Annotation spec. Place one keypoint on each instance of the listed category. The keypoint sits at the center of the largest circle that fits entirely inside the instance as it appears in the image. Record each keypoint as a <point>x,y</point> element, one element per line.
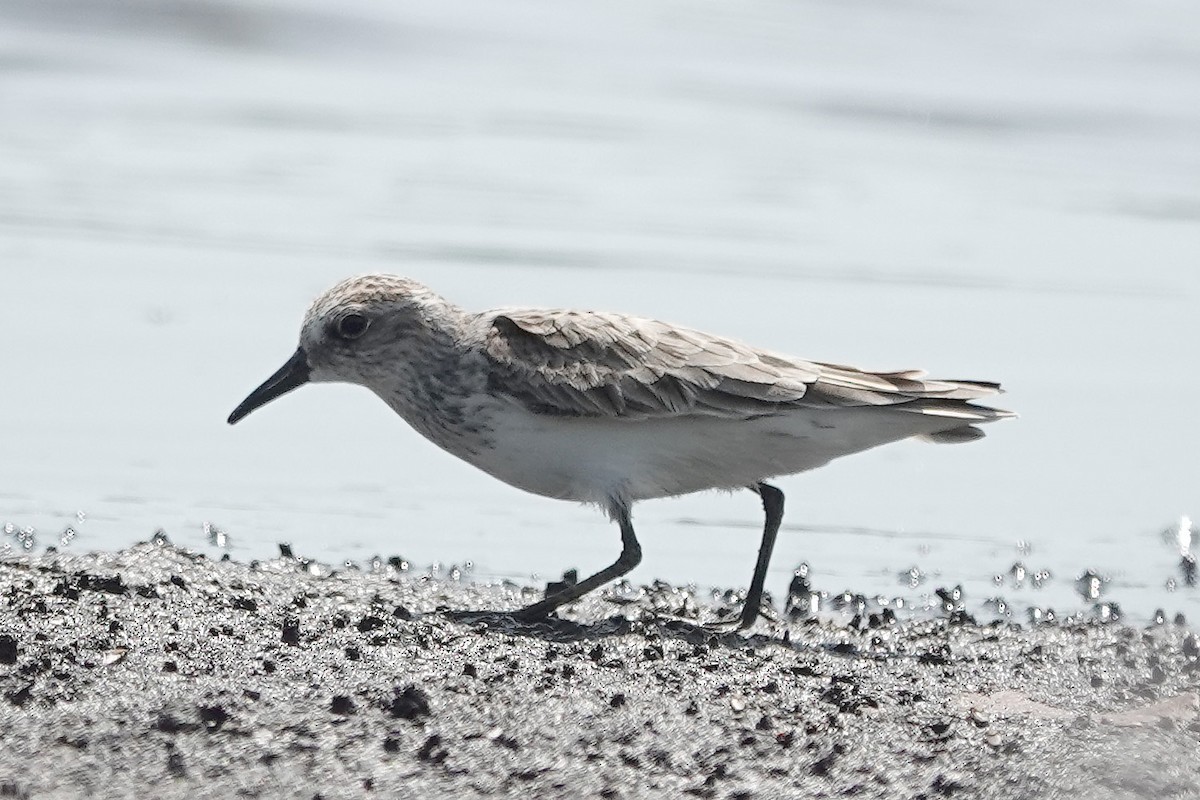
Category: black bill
<point>292,374</point>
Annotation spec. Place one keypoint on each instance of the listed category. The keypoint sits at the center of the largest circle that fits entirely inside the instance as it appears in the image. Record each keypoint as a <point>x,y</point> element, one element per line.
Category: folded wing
<point>591,364</point>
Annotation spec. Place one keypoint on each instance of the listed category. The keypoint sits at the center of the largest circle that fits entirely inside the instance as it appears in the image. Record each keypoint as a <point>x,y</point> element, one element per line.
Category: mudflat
<point>158,672</point>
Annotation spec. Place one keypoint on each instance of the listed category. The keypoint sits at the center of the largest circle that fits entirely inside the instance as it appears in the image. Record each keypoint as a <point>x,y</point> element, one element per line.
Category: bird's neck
<point>438,385</point>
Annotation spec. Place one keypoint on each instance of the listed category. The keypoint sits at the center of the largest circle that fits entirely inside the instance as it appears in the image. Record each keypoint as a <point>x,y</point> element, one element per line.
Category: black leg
<point>772,500</point>
<point>631,556</point>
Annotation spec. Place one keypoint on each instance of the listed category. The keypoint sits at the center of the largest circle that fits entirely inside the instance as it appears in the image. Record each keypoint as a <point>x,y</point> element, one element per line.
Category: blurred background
<point>1000,191</point>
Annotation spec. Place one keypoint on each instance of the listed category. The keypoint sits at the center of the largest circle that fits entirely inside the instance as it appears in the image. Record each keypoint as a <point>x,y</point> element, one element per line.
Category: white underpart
<point>602,460</point>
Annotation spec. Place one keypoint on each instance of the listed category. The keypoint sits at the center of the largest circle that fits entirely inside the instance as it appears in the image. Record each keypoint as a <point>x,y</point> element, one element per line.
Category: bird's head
<point>356,332</point>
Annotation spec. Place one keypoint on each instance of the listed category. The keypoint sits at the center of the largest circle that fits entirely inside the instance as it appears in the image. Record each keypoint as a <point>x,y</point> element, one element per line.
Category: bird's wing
<point>590,364</point>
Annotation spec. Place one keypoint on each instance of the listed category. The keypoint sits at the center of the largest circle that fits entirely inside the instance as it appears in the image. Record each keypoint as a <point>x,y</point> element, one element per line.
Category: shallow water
<point>960,189</point>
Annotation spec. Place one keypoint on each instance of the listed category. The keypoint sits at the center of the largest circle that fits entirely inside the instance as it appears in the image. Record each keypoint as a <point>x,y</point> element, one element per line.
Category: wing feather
<point>576,363</point>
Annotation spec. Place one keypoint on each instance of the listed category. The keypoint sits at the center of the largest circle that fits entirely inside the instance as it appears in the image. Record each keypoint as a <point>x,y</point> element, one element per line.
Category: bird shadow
<point>559,630</point>
<point>771,632</point>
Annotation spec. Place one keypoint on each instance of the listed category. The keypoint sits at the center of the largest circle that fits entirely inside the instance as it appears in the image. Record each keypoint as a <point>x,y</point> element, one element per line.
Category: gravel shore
<point>157,672</point>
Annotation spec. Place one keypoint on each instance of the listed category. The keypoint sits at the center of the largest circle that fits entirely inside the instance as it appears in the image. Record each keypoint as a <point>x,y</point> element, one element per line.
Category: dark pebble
<point>432,750</point>
<point>213,717</point>
<point>8,649</point>
<point>409,703</point>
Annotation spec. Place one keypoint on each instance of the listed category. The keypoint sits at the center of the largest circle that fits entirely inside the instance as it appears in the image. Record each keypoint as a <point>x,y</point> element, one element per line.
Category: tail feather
<point>956,409</point>
<point>964,433</point>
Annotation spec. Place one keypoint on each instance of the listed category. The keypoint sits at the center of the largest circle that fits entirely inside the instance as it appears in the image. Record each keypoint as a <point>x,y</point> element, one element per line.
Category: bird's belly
<point>601,459</point>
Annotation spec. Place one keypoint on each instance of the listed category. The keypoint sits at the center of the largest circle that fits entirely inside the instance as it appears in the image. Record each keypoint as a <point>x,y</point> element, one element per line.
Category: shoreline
<point>155,670</point>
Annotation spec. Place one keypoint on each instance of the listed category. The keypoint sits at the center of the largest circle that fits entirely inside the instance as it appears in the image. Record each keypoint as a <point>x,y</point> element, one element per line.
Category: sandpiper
<point>610,409</point>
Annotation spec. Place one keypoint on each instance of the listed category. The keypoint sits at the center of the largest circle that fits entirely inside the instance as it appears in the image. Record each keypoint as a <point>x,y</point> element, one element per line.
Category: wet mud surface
<point>155,672</point>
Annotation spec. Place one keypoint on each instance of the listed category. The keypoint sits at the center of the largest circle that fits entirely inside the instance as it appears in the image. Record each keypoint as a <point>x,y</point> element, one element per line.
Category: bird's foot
<point>502,620</point>
<point>529,615</point>
<point>471,616</point>
<point>739,622</point>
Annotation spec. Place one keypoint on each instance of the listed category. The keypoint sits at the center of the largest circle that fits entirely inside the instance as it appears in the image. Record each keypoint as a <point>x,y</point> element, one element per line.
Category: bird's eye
<point>351,326</point>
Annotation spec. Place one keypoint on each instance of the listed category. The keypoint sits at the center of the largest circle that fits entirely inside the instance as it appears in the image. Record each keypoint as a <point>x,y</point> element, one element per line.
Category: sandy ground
<point>155,672</point>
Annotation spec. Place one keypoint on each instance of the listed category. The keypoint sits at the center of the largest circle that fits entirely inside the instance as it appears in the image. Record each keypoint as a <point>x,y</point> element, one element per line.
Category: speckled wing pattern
<point>593,364</point>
